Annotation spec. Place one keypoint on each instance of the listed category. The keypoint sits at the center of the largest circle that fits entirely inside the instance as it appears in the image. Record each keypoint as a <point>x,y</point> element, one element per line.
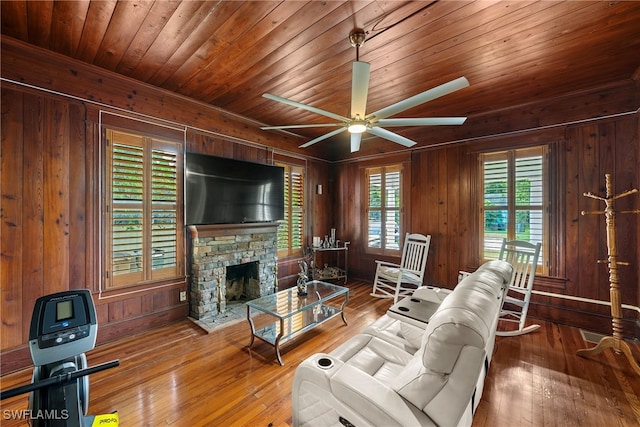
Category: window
<point>384,208</point>
<point>143,209</point>
<point>514,185</point>
<point>291,230</point>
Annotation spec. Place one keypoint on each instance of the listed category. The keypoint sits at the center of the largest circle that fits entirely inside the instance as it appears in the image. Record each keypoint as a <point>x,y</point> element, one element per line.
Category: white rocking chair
<point>523,256</point>
<point>400,280</point>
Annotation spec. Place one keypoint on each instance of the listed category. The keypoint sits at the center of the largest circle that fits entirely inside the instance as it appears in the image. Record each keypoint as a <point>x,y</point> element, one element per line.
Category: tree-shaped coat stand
<point>616,341</point>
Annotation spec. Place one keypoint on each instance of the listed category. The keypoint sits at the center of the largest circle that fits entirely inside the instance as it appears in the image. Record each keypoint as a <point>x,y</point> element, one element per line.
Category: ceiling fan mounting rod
<point>357,38</point>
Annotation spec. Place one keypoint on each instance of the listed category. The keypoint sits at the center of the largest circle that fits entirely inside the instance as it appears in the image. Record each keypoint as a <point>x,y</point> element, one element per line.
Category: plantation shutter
<point>163,211</point>
<point>297,208</point>
<point>127,213</point>
<point>285,226</point>
<point>143,225</point>
<point>392,211</point>
<point>529,197</point>
<point>514,206</point>
<point>374,215</point>
<point>291,230</point>
<point>384,207</point>
<point>496,202</point>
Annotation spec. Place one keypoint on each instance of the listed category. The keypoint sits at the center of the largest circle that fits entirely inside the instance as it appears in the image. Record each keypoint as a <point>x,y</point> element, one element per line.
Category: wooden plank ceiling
<point>228,53</point>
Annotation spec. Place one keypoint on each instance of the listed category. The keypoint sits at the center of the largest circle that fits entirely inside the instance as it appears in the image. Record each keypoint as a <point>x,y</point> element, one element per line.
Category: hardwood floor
<point>179,375</point>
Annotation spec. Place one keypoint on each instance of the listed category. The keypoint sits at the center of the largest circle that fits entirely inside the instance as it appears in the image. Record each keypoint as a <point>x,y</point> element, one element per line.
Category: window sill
<point>122,292</point>
<point>550,282</point>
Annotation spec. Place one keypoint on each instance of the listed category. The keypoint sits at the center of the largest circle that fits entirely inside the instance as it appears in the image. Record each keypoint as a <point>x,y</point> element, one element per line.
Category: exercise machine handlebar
<point>58,379</point>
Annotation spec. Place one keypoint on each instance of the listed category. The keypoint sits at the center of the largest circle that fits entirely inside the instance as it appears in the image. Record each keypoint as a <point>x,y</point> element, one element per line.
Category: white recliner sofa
<point>397,373</point>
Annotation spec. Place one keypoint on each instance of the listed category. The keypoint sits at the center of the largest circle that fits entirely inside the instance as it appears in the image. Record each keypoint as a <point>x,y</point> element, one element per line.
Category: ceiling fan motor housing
<point>357,37</point>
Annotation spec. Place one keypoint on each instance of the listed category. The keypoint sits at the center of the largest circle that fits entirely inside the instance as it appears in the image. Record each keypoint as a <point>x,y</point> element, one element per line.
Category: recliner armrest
<point>313,403</point>
<point>374,400</point>
<point>431,294</point>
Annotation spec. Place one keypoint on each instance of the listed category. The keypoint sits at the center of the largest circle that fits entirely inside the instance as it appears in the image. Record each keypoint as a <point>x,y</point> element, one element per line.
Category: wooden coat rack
<point>616,341</point>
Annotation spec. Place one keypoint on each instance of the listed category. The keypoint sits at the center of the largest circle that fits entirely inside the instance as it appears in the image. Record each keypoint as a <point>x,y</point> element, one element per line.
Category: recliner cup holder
<point>403,308</point>
<point>325,363</point>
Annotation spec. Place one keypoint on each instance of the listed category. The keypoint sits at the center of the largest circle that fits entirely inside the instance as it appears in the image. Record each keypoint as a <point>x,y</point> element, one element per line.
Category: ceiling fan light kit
<point>374,123</point>
<point>357,126</point>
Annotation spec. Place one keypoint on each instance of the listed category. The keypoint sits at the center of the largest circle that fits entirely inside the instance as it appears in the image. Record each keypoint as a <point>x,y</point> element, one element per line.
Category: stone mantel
<point>210,230</point>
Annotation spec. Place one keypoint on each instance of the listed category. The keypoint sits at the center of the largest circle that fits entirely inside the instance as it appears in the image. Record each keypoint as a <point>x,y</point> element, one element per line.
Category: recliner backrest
<point>441,377</point>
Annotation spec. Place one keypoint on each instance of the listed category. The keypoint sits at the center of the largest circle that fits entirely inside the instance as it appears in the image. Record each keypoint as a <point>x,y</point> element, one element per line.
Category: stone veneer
<point>213,248</point>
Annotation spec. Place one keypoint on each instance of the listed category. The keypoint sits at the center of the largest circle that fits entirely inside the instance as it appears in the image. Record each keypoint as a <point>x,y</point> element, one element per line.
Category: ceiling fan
<point>376,122</point>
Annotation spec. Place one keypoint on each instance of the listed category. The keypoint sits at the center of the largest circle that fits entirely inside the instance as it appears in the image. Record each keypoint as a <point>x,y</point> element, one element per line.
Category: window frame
<point>149,142</point>
<point>292,211</point>
<point>511,155</point>
<point>385,249</point>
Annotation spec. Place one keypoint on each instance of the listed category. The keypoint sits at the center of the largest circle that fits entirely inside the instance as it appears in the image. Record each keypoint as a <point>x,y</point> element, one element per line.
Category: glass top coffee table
<point>294,314</point>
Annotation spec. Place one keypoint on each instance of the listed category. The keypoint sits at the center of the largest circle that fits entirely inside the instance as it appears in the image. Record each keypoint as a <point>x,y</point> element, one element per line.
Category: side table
<point>331,272</point>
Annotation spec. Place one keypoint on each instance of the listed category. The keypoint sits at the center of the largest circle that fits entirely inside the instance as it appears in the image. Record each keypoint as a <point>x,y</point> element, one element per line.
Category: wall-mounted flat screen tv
<point>227,191</point>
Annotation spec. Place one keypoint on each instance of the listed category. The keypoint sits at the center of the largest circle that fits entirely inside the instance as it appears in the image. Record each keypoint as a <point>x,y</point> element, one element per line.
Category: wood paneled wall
<point>48,232</point>
<point>43,197</point>
<point>591,151</point>
<point>443,186</point>
<point>50,189</point>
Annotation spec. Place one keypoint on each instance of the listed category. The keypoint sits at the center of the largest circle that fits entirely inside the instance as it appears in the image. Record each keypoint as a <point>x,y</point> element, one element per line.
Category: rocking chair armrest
<point>387,264</point>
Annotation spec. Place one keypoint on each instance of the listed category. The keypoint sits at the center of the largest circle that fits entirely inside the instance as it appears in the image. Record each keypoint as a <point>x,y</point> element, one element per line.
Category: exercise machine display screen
<point>63,325</point>
<point>64,310</point>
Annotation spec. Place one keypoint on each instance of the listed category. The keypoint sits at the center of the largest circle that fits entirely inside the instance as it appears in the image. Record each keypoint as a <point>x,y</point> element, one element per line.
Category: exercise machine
<point>63,327</point>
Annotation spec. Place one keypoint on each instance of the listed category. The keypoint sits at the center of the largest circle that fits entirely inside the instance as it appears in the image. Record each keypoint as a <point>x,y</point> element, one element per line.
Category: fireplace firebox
<point>242,282</point>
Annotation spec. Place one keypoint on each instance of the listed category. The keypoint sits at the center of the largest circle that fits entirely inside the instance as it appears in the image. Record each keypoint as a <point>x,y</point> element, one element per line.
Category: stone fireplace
<point>230,262</point>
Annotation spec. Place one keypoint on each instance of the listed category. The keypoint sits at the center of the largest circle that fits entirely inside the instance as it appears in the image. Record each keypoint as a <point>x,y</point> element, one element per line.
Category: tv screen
<point>228,191</point>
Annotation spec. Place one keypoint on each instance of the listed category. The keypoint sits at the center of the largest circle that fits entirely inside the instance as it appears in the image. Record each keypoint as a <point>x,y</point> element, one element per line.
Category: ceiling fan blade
<point>323,137</point>
<point>304,106</point>
<point>355,142</point>
<point>421,98</point>
<point>359,88</point>
<point>391,136</point>
<point>314,125</point>
<point>426,121</point>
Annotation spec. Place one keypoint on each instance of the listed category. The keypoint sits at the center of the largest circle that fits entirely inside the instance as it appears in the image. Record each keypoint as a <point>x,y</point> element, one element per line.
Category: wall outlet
<point>183,296</point>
